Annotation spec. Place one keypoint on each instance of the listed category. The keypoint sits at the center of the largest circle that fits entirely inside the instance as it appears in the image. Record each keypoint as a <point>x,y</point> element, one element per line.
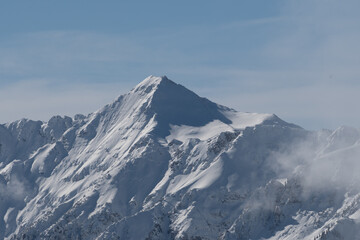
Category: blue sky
<point>298,59</point>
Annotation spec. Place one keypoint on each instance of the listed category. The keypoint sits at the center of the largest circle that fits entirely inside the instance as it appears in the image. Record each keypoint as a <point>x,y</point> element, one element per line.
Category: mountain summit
<point>174,104</point>
<point>163,106</point>
<point>160,162</point>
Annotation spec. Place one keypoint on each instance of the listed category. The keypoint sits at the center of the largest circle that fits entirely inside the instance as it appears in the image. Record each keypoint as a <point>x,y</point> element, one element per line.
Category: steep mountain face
<point>161,162</point>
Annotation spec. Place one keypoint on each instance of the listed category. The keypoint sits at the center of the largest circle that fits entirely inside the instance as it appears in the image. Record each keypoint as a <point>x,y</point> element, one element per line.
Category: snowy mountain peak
<point>167,103</point>
<point>171,106</point>
<point>151,83</point>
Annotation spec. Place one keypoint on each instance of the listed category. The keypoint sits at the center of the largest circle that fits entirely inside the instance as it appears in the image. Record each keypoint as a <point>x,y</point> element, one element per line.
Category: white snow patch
<point>197,179</point>
<point>283,181</point>
<point>209,130</point>
<point>239,121</point>
<point>356,216</point>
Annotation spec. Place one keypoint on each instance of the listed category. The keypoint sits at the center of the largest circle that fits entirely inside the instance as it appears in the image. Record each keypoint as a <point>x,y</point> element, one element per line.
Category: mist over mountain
<point>160,162</point>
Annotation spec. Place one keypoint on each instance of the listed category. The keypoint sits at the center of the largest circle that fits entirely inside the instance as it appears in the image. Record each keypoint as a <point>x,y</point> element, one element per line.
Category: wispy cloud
<point>322,162</point>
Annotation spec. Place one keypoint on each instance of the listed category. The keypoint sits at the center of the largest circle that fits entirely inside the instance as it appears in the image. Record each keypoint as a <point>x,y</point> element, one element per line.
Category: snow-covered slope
<point>161,162</point>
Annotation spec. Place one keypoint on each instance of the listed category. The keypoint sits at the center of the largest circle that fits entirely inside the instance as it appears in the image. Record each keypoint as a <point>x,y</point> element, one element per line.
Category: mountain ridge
<point>160,162</point>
